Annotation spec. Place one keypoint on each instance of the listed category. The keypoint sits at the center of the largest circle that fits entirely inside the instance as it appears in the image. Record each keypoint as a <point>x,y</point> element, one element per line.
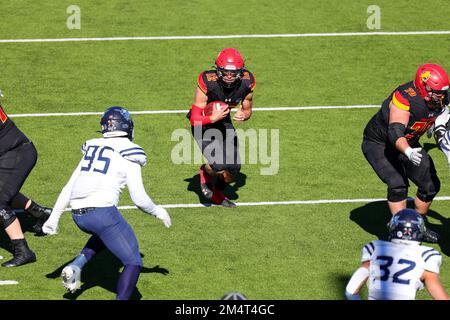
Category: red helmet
<point>432,83</point>
<point>229,66</point>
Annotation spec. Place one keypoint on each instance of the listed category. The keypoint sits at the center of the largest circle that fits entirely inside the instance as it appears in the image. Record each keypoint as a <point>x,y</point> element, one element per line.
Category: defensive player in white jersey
<point>442,133</point>
<point>93,191</point>
<point>398,268</point>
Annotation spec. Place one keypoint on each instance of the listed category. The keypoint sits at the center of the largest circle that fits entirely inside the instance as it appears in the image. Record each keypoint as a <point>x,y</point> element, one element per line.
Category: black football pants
<point>15,166</point>
<point>219,145</point>
<point>394,169</point>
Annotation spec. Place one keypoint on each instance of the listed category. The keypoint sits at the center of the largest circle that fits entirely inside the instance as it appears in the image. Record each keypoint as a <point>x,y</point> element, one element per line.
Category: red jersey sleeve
<point>201,83</point>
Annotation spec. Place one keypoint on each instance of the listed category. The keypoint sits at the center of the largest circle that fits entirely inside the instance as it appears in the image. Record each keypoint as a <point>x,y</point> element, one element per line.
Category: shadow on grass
<point>429,146</point>
<point>230,191</point>
<point>373,218</point>
<point>103,271</point>
<point>341,281</point>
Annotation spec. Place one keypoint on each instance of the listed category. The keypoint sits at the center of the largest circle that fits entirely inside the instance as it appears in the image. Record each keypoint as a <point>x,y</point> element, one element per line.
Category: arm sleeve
<point>197,117</point>
<point>64,197</point>
<point>136,188</point>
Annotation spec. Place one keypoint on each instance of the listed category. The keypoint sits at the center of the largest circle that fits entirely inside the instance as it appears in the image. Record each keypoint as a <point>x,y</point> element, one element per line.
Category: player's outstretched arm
<point>50,227</point>
<point>434,286</point>
<point>357,281</point>
<point>140,197</point>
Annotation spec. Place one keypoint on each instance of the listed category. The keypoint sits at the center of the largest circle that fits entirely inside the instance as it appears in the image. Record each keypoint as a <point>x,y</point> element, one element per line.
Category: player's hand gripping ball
<point>214,105</point>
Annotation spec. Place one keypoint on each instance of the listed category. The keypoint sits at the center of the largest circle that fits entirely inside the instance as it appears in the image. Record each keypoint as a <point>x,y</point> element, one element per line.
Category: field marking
<point>76,114</point>
<point>274,203</point>
<point>237,36</point>
<point>8,282</point>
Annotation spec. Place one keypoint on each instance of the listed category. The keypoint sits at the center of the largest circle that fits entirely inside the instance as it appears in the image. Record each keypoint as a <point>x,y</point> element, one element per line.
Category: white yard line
<point>8,282</point>
<point>237,36</point>
<point>76,114</point>
<point>278,203</point>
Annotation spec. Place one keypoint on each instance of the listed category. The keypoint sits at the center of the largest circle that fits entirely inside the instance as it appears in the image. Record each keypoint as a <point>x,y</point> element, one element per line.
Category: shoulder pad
<point>432,259</point>
<point>211,76</point>
<point>134,154</point>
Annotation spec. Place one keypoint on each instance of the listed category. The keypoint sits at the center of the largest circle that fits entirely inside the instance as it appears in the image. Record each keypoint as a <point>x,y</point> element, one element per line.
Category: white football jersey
<point>444,144</point>
<point>103,171</point>
<point>396,268</point>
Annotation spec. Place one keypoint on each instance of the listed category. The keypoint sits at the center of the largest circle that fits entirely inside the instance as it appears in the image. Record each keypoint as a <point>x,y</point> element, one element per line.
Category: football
<point>214,105</point>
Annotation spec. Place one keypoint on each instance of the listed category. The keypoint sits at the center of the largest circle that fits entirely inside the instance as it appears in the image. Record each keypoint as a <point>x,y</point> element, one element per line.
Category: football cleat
<point>227,203</point>
<point>41,214</point>
<point>430,236</point>
<point>205,183</point>
<point>71,275</point>
<point>220,199</point>
<point>22,254</point>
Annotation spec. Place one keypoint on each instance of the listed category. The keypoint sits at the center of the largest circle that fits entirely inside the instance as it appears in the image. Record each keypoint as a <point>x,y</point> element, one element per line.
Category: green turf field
<point>303,251</point>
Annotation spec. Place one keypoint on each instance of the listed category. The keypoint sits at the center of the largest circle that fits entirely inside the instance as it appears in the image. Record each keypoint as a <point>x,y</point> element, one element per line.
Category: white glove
<point>51,225</point>
<point>414,155</point>
<point>163,215</point>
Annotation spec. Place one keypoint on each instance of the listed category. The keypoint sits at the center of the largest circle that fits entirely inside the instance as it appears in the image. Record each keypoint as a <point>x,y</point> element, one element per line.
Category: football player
<point>108,165</point>
<point>231,83</point>
<point>391,140</point>
<point>398,268</point>
<point>442,133</point>
<point>18,156</point>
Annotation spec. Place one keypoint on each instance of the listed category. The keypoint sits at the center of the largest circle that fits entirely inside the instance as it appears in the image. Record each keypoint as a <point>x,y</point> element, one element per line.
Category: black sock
<point>19,201</point>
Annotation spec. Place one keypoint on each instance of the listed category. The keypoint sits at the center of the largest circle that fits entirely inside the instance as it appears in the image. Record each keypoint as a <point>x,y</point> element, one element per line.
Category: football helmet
<point>230,67</point>
<point>433,84</point>
<point>407,224</point>
<point>234,296</point>
<point>117,122</point>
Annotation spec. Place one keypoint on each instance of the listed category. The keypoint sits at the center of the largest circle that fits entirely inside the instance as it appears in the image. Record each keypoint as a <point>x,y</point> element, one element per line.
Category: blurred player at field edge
<point>398,268</point>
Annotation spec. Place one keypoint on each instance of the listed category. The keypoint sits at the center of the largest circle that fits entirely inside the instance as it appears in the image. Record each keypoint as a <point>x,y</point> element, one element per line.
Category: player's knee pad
<point>7,216</point>
<point>396,194</point>
<point>428,191</point>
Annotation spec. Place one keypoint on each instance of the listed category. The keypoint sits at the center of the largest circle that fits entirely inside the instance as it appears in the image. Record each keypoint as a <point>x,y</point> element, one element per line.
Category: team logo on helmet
<point>424,76</point>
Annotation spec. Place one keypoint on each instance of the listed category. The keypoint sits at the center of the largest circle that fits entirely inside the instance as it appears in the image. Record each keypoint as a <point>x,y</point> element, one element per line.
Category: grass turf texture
<point>272,252</point>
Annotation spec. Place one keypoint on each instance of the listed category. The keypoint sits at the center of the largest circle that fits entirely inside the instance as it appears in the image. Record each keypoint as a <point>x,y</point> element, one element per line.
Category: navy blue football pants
<point>108,224</point>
